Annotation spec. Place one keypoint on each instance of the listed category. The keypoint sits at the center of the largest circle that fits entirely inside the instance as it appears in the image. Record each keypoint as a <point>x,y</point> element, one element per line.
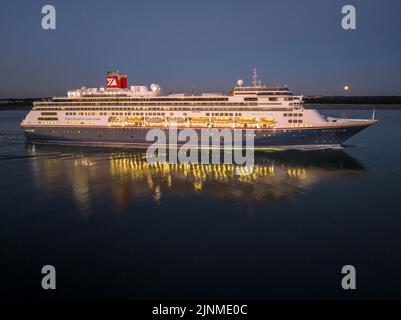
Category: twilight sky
<point>207,44</point>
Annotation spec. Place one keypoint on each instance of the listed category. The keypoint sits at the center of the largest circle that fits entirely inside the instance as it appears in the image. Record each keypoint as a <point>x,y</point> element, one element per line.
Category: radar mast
<point>254,77</point>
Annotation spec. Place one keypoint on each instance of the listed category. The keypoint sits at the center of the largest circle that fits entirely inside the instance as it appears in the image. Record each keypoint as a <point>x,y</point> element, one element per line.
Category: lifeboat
<point>199,119</point>
<point>135,119</point>
<point>246,120</point>
<point>116,119</point>
<point>268,120</point>
<point>177,119</point>
<point>155,120</point>
<point>223,119</point>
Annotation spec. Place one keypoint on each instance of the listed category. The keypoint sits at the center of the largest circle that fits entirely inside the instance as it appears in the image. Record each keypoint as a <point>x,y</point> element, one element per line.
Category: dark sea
<point>115,226</point>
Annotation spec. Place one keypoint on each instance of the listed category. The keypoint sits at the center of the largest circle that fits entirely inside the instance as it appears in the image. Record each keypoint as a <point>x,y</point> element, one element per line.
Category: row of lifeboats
<point>195,120</point>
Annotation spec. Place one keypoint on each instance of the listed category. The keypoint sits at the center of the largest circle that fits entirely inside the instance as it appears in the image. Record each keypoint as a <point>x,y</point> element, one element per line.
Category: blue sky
<point>205,44</point>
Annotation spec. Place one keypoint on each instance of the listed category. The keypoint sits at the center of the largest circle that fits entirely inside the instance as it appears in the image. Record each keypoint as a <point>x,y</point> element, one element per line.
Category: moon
<point>346,88</point>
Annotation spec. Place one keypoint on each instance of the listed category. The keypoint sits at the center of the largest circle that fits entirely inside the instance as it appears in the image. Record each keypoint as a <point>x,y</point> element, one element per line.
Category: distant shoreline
<point>352,106</point>
<point>12,107</point>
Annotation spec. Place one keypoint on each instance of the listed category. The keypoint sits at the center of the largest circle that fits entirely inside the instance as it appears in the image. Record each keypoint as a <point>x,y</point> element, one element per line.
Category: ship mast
<point>254,77</point>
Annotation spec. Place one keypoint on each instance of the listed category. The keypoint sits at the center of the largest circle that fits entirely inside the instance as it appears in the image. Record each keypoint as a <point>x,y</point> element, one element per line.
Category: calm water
<point>115,226</point>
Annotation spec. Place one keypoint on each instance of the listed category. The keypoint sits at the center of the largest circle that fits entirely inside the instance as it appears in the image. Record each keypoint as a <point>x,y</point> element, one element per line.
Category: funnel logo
<point>111,82</point>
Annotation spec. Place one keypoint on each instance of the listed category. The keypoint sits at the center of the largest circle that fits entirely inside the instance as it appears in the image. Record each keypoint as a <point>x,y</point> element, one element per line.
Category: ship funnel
<point>115,80</point>
<point>123,80</point>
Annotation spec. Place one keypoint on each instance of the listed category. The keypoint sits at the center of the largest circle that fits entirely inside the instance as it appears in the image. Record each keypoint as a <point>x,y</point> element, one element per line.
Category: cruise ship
<point>121,115</point>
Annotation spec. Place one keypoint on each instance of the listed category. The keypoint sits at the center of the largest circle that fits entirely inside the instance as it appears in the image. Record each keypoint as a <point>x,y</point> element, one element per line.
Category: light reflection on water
<point>126,176</point>
<point>116,226</point>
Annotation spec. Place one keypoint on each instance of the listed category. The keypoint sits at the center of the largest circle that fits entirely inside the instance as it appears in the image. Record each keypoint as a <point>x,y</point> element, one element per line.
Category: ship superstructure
<point>120,115</point>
